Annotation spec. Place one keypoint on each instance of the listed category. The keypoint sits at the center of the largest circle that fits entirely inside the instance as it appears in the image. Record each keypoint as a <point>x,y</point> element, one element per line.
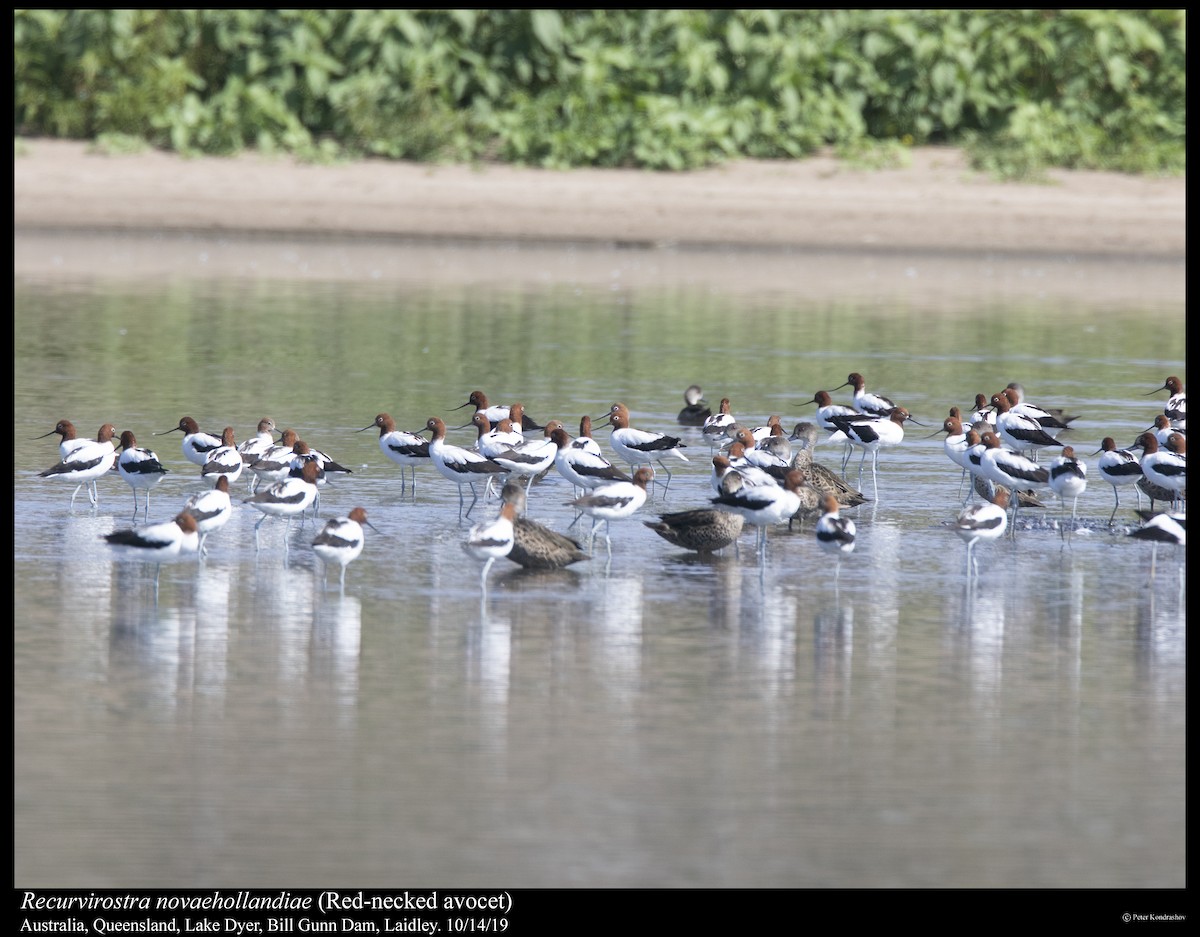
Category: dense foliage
<point>664,89</point>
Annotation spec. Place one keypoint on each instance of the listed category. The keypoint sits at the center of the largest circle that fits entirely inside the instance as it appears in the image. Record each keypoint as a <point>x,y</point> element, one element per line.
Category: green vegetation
<point>661,89</point>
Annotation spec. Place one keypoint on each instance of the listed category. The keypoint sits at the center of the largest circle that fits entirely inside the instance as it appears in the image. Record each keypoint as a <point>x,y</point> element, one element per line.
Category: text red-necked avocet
<point>1118,467</point>
<point>536,546</point>
<point>69,441</point>
<point>461,466</point>
<point>196,445</point>
<point>407,450</point>
<point>264,438</point>
<point>341,541</point>
<point>763,505</point>
<point>490,540</point>
<point>835,534</point>
<point>1019,432</point>
<point>211,509</point>
<point>986,521</point>
<point>225,461</point>
<point>287,499</point>
<point>139,467</point>
<point>1068,479</point>
<point>695,409</point>
<point>873,434</point>
<point>641,447</point>
<point>1176,406</point>
<point>1165,468</point>
<point>873,405</point>
<point>613,501</point>
<point>1011,469</point>
<point>86,464</point>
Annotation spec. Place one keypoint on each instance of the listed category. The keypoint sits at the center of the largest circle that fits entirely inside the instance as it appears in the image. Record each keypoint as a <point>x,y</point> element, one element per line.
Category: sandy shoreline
<point>935,204</point>
<point>760,224</point>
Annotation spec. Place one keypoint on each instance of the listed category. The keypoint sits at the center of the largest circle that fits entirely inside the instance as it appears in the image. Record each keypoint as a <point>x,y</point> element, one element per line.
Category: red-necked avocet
<point>986,521</point>
<point>407,450</point>
<point>763,505</point>
<point>225,461</point>
<point>1011,469</point>
<point>1118,467</point>
<point>264,438</point>
<point>139,467</point>
<point>1068,479</point>
<point>873,405</point>
<point>1176,406</point>
<point>459,465</point>
<point>490,540</point>
<point>86,463</point>
<point>1165,468</point>
<point>287,499</point>
<point>641,447</point>
<point>69,441</point>
<point>275,464</point>
<point>579,465</point>
<point>1018,431</point>
<point>159,542</point>
<point>835,534</point>
<point>211,509</point>
<point>341,541</point>
<point>873,434</point>
<point>613,501</point>
<point>196,445</point>
<point>497,412</point>
<point>716,428</point>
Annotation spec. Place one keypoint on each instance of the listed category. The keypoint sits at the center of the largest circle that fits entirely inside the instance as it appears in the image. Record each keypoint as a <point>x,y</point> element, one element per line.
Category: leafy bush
<point>663,89</point>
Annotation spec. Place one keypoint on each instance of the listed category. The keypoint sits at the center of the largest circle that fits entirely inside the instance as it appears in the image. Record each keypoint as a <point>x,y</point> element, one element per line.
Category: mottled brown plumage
<point>703,530</point>
<point>821,477</point>
<point>536,546</point>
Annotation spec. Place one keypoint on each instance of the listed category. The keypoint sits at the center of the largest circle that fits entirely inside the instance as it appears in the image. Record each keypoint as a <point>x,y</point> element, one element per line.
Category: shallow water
<point>652,719</point>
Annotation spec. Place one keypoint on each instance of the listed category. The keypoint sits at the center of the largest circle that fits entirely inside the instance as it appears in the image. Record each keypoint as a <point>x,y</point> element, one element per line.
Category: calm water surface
<point>649,720</point>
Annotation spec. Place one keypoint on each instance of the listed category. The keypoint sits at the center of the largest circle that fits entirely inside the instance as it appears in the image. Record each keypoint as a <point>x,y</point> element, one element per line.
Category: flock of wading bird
<point>762,475</point>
